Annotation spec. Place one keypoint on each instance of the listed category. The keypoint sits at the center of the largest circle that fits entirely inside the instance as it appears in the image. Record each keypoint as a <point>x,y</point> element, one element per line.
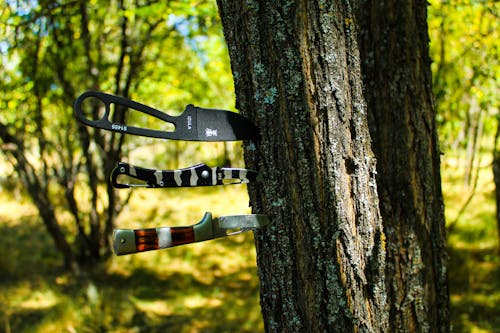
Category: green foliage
<point>164,54</point>
<point>465,49</point>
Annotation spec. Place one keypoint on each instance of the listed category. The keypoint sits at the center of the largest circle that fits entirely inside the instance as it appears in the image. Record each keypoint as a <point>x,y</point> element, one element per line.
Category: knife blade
<point>128,241</point>
<point>198,175</point>
<point>194,124</point>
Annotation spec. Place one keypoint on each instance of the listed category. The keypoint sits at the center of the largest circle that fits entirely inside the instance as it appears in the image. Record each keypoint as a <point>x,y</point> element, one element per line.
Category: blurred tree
<point>466,69</point>
<point>54,50</point>
<point>496,175</point>
<point>466,66</point>
<point>322,263</point>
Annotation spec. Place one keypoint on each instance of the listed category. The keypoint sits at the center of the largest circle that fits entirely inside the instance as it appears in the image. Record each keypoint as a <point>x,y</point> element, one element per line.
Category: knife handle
<point>128,241</point>
<point>105,123</point>
<point>197,175</point>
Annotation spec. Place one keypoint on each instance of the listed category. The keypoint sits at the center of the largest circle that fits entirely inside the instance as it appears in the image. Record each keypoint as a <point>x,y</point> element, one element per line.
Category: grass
<point>210,286</point>
<point>203,287</point>
<point>474,270</point>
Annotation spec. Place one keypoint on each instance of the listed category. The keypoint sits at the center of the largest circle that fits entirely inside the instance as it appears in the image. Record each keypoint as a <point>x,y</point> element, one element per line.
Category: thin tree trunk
<point>297,76</point>
<point>496,176</point>
<point>473,140</point>
<point>40,196</point>
<point>396,70</point>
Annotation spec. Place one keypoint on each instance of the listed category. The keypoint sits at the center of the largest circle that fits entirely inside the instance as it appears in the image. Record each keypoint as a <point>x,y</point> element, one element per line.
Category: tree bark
<point>297,76</point>
<point>398,89</point>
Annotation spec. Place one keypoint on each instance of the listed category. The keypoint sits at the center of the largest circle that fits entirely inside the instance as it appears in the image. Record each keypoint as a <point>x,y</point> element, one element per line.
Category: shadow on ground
<point>474,276</point>
<point>37,296</point>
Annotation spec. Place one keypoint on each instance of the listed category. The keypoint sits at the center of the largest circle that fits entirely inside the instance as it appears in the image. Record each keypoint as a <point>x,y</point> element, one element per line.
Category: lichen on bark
<point>321,263</point>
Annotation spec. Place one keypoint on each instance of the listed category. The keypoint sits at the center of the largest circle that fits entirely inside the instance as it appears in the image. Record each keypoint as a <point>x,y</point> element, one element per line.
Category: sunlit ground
<point>210,286</point>
<point>474,272</point>
<point>203,287</point>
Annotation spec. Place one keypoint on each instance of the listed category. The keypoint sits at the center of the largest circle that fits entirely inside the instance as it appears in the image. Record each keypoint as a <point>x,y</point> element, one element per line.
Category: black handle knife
<point>197,175</point>
<point>194,124</point>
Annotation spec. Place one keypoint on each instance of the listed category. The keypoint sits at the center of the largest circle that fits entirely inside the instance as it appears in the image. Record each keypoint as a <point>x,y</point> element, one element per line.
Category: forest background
<point>167,55</point>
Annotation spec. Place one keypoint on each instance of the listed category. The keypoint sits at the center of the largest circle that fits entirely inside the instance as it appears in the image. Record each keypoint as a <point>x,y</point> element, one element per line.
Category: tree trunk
<point>496,176</point>
<point>38,191</point>
<point>396,70</point>
<point>297,76</point>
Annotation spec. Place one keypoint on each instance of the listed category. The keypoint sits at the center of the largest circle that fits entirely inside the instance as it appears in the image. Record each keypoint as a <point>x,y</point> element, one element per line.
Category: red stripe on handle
<point>182,235</point>
<point>146,240</point>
